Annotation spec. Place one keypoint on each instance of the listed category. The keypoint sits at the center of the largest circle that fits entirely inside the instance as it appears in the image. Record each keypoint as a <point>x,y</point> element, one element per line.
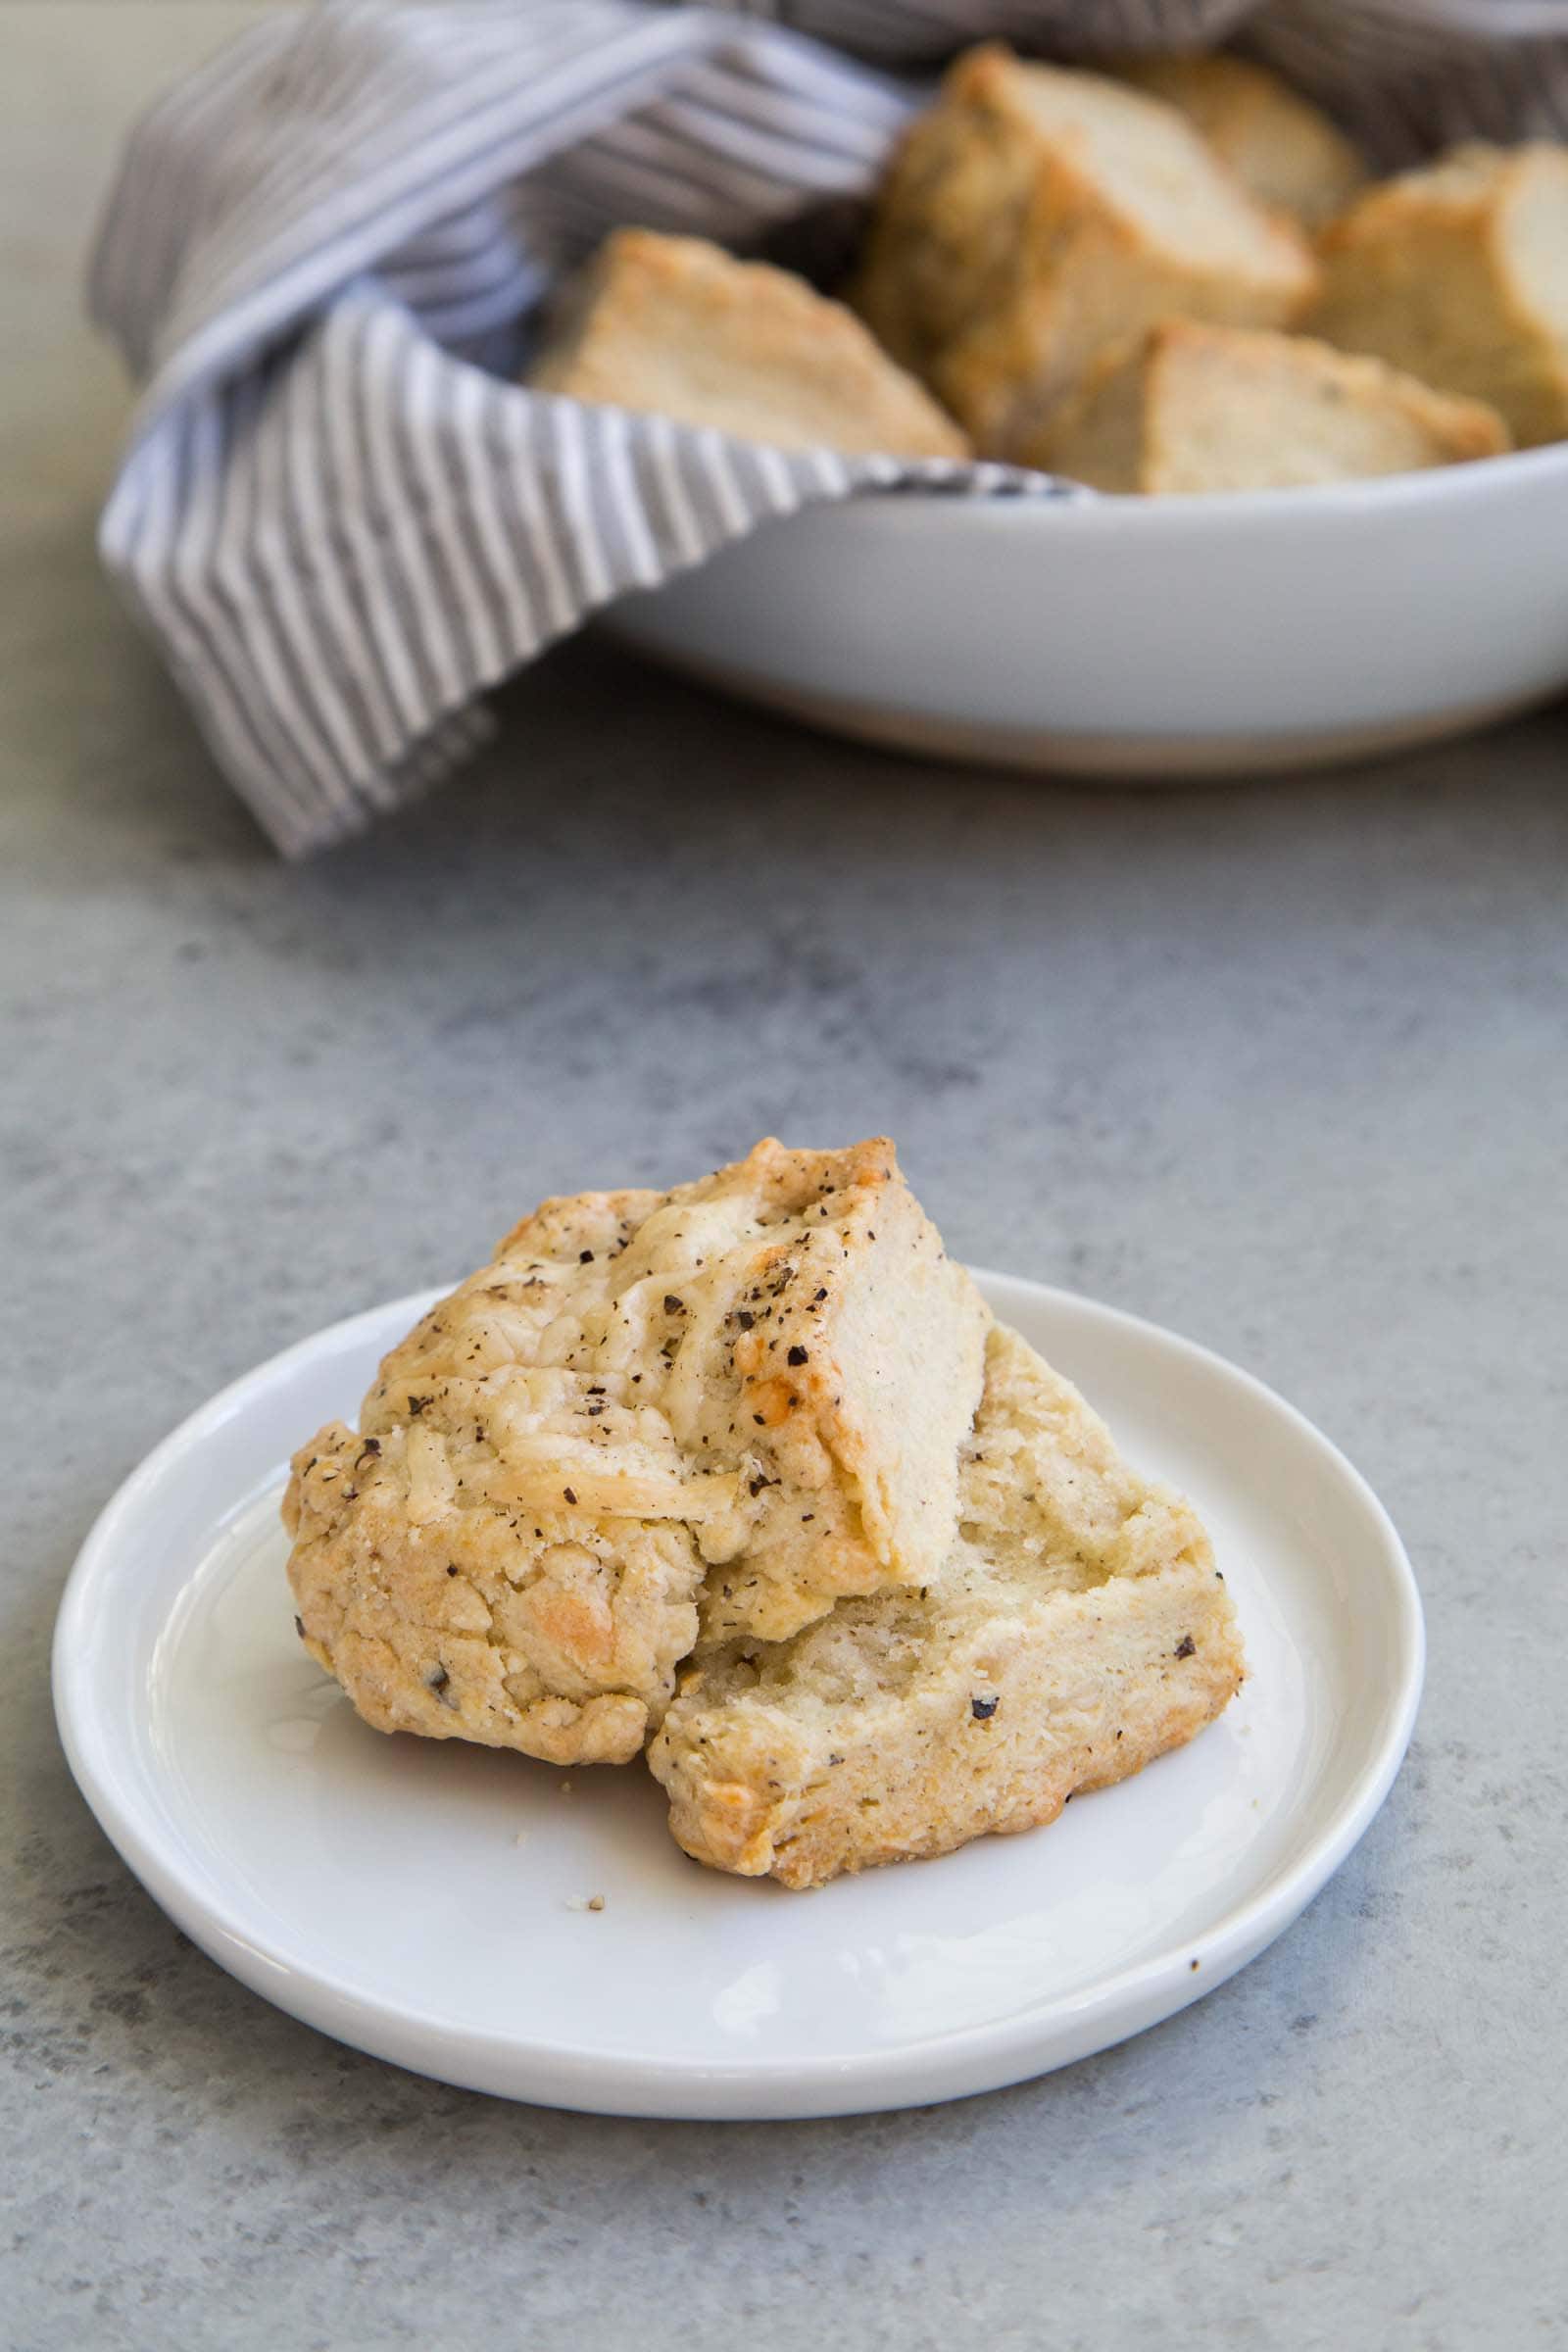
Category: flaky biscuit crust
<point>679,327</point>
<point>1078,1630</point>
<point>1029,221</point>
<point>1458,272</point>
<point>761,1380</point>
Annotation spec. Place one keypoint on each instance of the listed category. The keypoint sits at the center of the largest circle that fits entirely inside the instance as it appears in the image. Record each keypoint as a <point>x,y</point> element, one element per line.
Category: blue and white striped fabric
<point>342,516</point>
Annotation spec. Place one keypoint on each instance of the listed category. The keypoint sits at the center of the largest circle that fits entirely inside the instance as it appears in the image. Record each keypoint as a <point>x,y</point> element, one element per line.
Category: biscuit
<point>676,327</point>
<point>1035,219</point>
<point>762,1378</point>
<point>1459,273</point>
<point>1218,407</point>
<point>1077,1629</point>
<point>1284,151</point>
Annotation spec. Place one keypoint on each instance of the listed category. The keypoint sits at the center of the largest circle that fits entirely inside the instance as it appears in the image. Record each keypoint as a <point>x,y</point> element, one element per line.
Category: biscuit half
<point>1198,408</point>
<point>761,1380</point>
<point>1077,1629</point>
<point>676,326</point>
<point>1036,217</point>
<point>1284,150</point>
<point>1459,273</point>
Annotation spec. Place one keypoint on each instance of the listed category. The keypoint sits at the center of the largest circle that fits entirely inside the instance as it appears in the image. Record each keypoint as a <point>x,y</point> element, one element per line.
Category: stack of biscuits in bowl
<point>1171,279</point>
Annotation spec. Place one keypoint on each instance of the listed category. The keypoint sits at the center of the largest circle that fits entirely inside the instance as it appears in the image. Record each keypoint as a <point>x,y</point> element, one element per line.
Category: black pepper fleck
<point>585,1257</point>
<point>795,1356</point>
<point>1186,1647</point>
<point>571,1496</point>
<point>982,1709</point>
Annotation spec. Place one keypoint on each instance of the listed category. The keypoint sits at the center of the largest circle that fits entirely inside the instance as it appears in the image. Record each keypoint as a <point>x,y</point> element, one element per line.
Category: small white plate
<point>1156,638</point>
<point>424,1902</point>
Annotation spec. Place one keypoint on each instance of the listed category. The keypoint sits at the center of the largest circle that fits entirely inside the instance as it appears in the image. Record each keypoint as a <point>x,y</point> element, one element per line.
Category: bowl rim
<point>1312,505</point>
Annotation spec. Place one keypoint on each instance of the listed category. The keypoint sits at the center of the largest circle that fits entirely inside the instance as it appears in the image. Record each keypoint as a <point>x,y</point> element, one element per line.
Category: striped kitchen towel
<point>339,515</point>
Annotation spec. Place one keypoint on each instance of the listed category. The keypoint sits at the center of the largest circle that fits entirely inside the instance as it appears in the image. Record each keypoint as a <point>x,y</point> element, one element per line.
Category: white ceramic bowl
<point>1141,637</point>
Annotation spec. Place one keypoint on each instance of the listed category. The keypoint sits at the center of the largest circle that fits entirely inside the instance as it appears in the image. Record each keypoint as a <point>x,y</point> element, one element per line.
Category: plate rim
<point>934,2065</point>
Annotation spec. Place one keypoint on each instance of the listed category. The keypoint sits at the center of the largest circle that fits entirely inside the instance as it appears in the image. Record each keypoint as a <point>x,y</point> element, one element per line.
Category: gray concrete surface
<point>1282,1067</point>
